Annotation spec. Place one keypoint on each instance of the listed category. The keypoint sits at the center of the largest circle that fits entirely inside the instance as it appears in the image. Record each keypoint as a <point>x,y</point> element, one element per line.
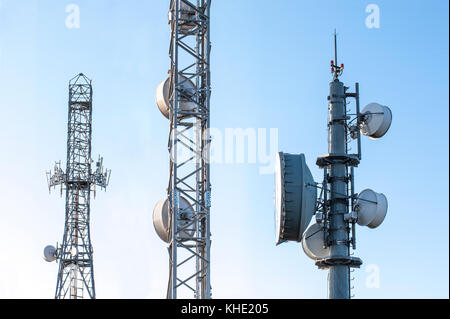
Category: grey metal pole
<point>338,282</point>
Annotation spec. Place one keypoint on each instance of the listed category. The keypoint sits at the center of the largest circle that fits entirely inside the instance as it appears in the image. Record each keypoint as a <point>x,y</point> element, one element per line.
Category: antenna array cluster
<point>75,254</point>
<point>337,208</point>
<point>182,220</point>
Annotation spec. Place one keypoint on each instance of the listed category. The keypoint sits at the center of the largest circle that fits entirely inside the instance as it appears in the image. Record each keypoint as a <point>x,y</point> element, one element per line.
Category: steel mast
<point>189,144</point>
<point>338,208</point>
<point>338,167</point>
<point>75,255</point>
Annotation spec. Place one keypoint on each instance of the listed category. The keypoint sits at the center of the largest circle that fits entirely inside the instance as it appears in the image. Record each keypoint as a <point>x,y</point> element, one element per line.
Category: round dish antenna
<point>371,208</point>
<point>163,96</point>
<point>376,120</point>
<point>161,219</point>
<point>295,198</point>
<point>313,242</point>
<point>50,253</point>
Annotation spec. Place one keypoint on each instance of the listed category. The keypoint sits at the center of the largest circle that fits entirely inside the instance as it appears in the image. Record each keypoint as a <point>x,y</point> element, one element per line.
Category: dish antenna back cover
<point>313,242</point>
<point>163,96</point>
<point>50,253</point>
<point>377,120</point>
<point>161,219</point>
<point>295,200</point>
<point>371,208</point>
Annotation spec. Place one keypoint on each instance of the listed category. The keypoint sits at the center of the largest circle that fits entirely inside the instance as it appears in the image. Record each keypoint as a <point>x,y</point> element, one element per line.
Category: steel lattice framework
<point>189,144</point>
<point>76,272</point>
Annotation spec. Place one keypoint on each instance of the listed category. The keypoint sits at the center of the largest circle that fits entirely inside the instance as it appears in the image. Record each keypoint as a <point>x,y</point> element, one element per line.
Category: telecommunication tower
<point>75,255</point>
<point>183,219</point>
<point>338,208</point>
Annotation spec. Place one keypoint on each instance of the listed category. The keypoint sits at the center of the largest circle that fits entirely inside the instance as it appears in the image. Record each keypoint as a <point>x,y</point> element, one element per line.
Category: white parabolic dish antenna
<point>161,219</point>
<point>313,242</point>
<point>50,253</point>
<point>163,96</point>
<point>371,208</point>
<point>295,200</point>
<point>377,120</point>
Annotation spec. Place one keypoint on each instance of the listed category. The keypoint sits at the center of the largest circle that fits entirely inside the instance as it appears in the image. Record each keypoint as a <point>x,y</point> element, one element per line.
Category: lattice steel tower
<point>75,255</point>
<point>184,98</point>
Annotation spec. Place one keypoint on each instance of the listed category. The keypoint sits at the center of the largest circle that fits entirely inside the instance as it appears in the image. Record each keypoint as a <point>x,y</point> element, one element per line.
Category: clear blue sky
<point>270,68</point>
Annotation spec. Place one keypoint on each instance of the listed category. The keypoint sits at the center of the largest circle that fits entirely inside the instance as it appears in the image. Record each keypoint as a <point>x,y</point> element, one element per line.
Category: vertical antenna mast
<point>184,98</point>
<point>190,47</point>
<point>337,179</point>
<point>335,47</point>
<point>335,68</point>
<point>76,272</point>
<point>345,208</point>
<point>338,208</point>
